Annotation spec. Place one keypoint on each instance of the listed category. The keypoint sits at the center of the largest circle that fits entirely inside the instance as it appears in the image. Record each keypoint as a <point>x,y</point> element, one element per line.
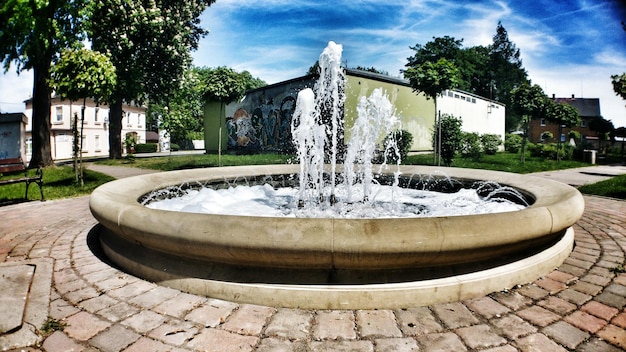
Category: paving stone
<point>513,300</point>
<point>95,304</point>
<point>417,321</point>
<point>145,344</point>
<point>550,285</point>
<point>620,279</point>
<point>619,290</point>
<point>174,332</point>
<point>131,290</point>
<point>212,313</point>
<point>538,316</point>
<point>341,346</point>
<point>538,343</point>
<point>444,342</point>
<point>578,298</point>
<point>292,324</point>
<point>513,326</point>
<point>600,310</point>
<point>454,315</point>
<point>587,288</point>
<point>118,312</point>
<point>144,321</point>
<point>586,321</point>
<point>566,334</point>
<point>249,319</point>
<point>487,307</point>
<point>61,309</point>
<point>557,305</point>
<point>82,294</point>
<point>620,319</point>
<point>377,323</point>
<point>179,305</point>
<point>114,339</point>
<point>60,342</point>
<point>271,344</point>
<point>82,326</point>
<point>597,345</point>
<point>215,340</point>
<point>573,270</point>
<point>154,297</point>
<point>405,344</point>
<point>334,324</point>
<point>505,348</point>
<point>533,291</point>
<point>596,279</point>
<point>611,299</point>
<point>614,335</point>
<point>480,336</point>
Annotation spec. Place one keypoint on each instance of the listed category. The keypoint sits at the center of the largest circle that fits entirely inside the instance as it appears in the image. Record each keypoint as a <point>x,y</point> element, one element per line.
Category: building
<point>588,110</point>
<point>262,120</point>
<point>12,135</point>
<point>95,136</point>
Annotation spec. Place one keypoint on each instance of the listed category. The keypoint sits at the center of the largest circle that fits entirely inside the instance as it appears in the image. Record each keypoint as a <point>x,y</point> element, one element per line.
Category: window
<point>85,146</point>
<point>128,118</point>
<point>29,146</point>
<point>473,100</point>
<point>59,114</point>
<point>95,115</point>
<point>583,123</point>
<point>96,143</point>
<point>139,124</point>
<point>543,122</point>
<point>450,94</point>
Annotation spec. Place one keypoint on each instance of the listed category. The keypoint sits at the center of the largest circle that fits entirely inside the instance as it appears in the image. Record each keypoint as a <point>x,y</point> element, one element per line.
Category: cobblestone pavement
<point>579,306</point>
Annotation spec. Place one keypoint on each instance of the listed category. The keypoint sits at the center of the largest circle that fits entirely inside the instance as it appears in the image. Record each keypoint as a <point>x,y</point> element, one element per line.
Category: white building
<point>479,115</point>
<point>95,129</point>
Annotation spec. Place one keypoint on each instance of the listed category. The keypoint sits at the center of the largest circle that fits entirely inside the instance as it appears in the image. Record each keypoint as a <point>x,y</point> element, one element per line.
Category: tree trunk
<point>115,129</point>
<point>42,155</point>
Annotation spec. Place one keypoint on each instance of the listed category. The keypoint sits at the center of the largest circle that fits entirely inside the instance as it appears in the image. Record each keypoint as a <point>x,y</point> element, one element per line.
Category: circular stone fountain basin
<point>277,258</point>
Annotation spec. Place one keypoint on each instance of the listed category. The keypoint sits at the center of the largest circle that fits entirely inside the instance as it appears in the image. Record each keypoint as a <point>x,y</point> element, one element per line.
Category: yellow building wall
<point>415,111</point>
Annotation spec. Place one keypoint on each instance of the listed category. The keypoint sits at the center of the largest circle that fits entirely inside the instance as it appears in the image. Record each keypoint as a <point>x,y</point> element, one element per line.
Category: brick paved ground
<point>579,306</point>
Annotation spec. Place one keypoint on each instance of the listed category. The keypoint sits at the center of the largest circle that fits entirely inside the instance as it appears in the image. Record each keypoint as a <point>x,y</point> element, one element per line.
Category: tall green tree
<point>32,35</point>
<point>619,84</point>
<point>78,75</point>
<point>150,43</point>
<point>563,115</point>
<point>506,73</point>
<point>529,102</point>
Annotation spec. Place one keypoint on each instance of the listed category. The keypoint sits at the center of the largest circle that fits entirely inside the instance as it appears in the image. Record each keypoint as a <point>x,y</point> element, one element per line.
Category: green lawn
<point>180,162</point>
<point>614,187</point>
<point>59,182</point>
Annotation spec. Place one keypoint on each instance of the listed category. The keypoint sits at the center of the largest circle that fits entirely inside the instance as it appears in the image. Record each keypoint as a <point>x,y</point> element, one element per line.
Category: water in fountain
<point>317,127</point>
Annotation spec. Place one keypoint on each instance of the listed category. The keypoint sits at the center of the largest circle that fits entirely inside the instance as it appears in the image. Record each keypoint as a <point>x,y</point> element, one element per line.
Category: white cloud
<point>14,90</point>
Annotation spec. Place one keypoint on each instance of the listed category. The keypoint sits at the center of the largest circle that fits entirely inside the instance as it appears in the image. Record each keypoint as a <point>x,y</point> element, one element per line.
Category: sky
<point>567,47</point>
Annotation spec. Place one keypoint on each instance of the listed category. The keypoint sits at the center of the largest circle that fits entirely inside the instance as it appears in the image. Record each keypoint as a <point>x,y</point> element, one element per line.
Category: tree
<point>448,136</point>
<point>619,84</point>
<point>604,128</point>
<point>33,34</point>
<point>506,72</point>
<point>564,116</point>
<point>432,79</point>
<point>80,74</point>
<point>150,43</point>
<point>530,102</point>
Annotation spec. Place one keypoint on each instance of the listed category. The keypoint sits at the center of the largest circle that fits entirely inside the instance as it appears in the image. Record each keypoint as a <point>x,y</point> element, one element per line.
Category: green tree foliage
<point>529,102</point>
<point>82,73</point>
<point>604,128</point>
<point>150,43</point>
<point>448,130</point>
<point>491,143</point>
<point>32,35</point>
<point>373,70</point>
<point>221,84</point>
<point>471,146</point>
<point>432,78</point>
<point>619,84</point>
<point>489,71</point>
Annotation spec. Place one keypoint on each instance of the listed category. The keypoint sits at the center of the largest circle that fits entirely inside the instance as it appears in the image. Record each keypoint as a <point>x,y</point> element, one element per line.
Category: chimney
<point>553,96</point>
<point>572,96</point>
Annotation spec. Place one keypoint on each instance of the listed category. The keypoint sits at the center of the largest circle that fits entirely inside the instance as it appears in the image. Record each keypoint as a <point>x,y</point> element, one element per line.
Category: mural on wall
<point>268,127</point>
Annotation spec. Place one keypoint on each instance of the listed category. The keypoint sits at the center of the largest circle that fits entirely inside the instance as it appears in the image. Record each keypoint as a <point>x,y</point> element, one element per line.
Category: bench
<point>15,165</point>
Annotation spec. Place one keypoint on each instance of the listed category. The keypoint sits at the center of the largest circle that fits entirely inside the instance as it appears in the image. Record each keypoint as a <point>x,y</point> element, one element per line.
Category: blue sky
<point>567,47</point>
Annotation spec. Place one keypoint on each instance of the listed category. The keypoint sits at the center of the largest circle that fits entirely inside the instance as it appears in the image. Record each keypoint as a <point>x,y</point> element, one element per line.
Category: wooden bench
<point>15,165</point>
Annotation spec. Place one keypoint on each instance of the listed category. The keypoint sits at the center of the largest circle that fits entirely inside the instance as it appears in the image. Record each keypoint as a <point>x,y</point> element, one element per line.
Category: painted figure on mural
<point>287,108</point>
<point>241,132</point>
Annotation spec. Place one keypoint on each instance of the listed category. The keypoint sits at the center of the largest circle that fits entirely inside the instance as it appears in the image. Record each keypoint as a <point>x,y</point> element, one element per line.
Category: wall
<point>12,135</point>
<point>95,128</point>
<point>478,114</point>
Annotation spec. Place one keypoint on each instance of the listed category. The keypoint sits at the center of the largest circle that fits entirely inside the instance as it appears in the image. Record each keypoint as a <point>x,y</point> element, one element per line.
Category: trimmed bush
<point>403,141</point>
<point>146,148</point>
<point>491,143</point>
<point>471,146</point>
<point>513,143</point>
<point>174,147</point>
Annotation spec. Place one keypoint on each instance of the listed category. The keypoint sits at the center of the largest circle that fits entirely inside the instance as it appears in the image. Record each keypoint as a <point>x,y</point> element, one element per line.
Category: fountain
<point>337,261</point>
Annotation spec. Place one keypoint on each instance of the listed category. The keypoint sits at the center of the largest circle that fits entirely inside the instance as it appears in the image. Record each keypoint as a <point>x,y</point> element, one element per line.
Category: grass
<point>614,187</point>
<point>59,182</point>
<point>501,162</point>
<point>169,163</point>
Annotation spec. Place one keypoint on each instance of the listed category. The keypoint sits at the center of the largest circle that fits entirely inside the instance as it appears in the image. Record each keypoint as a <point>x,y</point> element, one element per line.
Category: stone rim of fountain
<point>157,245</point>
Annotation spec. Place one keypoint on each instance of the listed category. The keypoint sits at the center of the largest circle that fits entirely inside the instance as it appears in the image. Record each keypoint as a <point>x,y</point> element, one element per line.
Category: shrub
<point>146,148</point>
<point>513,143</point>
<point>471,146</point>
<point>490,143</point>
<point>174,147</point>
<point>403,141</point>
<point>535,150</point>
<point>546,136</point>
<point>451,135</point>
